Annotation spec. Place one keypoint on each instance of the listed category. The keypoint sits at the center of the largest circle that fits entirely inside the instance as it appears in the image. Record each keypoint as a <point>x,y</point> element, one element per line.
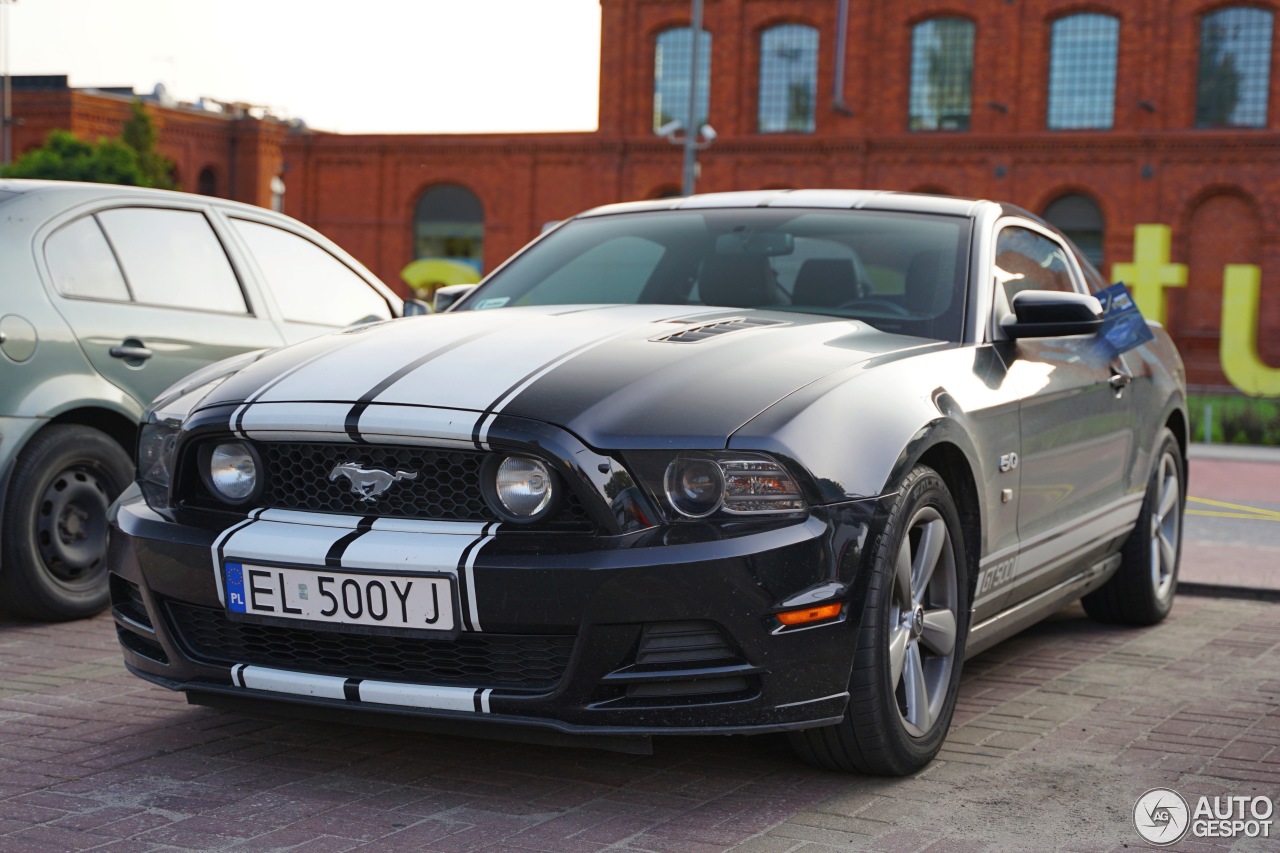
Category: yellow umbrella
<point>430,273</point>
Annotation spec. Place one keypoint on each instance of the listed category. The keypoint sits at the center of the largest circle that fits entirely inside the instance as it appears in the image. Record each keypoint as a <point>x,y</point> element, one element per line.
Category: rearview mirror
<point>446,296</point>
<point>767,243</point>
<point>1052,314</point>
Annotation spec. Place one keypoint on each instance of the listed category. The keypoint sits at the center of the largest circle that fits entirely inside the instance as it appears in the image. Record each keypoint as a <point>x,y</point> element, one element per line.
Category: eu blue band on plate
<point>234,573</point>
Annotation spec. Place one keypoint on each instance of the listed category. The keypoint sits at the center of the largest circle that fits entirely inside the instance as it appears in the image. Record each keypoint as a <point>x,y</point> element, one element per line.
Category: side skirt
<point>1023,615</point>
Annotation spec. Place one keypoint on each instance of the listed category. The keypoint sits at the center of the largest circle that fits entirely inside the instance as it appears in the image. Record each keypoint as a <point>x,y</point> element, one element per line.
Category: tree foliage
<point>131,159</point>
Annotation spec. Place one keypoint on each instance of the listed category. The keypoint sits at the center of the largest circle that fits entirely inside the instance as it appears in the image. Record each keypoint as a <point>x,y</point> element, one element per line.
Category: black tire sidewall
<point>30,588</point>
<point>1139,551</point>
<point>923,487</point>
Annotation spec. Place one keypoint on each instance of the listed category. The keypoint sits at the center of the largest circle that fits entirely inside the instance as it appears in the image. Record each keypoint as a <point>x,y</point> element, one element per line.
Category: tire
<point>913,622</point>
<point>53,560</point>
<point>1142,589</point>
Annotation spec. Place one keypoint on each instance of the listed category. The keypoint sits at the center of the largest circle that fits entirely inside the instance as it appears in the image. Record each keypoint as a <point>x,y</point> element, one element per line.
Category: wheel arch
<point>954,468</point>
<point>122,430</point>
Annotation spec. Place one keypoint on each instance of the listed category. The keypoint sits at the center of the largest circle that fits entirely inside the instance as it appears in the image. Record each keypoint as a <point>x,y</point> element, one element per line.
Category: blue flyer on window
<point>1123,326</point>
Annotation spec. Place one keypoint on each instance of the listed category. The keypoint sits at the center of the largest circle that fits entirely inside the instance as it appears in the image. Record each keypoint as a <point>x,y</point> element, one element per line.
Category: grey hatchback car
<point>109,295</point>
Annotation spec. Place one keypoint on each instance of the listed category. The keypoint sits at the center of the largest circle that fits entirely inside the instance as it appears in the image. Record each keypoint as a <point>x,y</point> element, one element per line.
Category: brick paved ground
<point>1058,732</point>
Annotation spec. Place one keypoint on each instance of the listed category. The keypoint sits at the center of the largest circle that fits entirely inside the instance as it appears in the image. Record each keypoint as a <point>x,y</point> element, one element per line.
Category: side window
<point>174,259</point>
<point>309,284</point>
<point>1027,260</point>
<point>82,264</point>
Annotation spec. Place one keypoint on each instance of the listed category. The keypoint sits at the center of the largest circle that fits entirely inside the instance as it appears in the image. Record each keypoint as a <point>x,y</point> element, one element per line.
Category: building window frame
<point>940,90</point>
<point>1084,58</point>
<point>672,55</point>
<point>786,99</point>
<point>1249,32</point>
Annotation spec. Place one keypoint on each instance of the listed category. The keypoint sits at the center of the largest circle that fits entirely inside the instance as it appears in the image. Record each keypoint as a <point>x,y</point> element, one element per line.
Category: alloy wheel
<point>1166,527</point>
<point>923,618</point>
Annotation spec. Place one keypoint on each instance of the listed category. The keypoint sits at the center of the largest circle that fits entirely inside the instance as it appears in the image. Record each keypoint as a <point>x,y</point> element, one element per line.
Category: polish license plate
<point>341,598</point>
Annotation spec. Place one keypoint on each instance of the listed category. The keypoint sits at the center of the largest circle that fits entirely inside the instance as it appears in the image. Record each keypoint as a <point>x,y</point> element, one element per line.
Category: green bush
<point>1235,419</point>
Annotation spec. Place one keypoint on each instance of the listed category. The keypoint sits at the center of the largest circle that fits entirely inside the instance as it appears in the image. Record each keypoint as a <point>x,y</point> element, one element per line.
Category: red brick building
<point>1100,115</point>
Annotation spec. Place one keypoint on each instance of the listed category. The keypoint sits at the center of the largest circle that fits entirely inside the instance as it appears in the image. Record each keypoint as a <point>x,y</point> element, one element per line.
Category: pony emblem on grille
<point>368,483</point>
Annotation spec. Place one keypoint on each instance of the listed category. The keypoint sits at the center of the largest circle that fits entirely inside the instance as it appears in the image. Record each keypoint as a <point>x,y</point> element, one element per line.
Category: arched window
<point>941,74</point>
<point>449,223</point>
<point>1079,217</point>
<point>1235,68</point>
<point>672,62</point>
<point>1082,71</point>
<point>788,79</point>
<point>207,181</point>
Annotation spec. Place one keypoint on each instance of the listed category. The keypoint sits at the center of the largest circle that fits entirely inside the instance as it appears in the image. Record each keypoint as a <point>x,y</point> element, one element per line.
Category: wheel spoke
<point>932,538</point>
<point>917,693</point>
<point>1168,496</point>
<point>939,631</point>
<point>898,654</point>
<point>902,576</point>
<point>1167,551</point>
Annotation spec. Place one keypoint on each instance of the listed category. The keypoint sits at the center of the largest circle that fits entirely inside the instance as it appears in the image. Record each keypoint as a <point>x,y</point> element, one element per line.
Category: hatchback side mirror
<point>1052,314</point>
<point>446,296</point>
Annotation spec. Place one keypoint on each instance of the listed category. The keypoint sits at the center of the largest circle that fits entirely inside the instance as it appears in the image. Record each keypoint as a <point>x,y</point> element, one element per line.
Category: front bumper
<point>671,631</point>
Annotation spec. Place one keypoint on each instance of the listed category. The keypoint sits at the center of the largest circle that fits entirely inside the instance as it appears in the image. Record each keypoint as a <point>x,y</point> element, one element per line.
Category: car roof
<point>815,198</point>
<point>73,192</point>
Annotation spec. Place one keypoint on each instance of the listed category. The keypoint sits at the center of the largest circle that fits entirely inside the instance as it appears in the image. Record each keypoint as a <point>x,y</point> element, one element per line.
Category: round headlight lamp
<point>520,488</point>
<point>232,472</point>
<point>695,486</point>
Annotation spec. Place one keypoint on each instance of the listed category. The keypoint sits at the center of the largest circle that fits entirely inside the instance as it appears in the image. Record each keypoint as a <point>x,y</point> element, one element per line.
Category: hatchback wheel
<point>906,667</point>
<point>55,538</point>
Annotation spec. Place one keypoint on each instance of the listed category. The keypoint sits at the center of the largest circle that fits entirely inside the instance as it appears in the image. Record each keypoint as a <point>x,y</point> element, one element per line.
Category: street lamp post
<point>692,119</point>
<point>6,92</point>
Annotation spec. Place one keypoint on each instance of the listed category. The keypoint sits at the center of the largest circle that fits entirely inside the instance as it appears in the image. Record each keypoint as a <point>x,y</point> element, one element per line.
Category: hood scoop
<point>693,334</point>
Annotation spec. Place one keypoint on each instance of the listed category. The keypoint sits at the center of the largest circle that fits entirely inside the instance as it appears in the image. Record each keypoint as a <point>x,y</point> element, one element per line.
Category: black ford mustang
<point>728,464</point>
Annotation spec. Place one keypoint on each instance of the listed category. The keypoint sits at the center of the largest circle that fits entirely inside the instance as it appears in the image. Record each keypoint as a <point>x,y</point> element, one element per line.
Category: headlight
<point>520,488</point>
<point>231,472</point>
<point>734,483</point>
<point>695,486</point>
<point>156,444</point>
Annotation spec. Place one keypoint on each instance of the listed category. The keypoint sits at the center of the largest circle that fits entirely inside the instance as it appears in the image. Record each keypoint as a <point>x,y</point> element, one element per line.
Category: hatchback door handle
<point>130,352</point>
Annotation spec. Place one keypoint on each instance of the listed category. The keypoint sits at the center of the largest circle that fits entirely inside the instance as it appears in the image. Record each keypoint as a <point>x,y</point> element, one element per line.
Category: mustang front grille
<point>445,485</point>
<point>521,661</point>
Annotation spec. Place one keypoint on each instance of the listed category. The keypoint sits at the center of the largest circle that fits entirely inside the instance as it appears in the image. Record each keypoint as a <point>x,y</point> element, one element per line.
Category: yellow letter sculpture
<point>1151,271</point>
<point>1238,346</point>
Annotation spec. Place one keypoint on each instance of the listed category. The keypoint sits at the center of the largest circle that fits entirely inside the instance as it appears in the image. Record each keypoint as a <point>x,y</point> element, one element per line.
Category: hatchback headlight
<point>520,488</point>
<point>232,470</point>
<point>157,442</point>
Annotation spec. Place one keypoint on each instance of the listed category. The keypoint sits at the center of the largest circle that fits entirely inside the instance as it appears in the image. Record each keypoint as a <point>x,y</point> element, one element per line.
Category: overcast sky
<point>359,66</point>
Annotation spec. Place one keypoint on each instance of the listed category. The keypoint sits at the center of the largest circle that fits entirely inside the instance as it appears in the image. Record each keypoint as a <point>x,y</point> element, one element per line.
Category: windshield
<point>899,272</point>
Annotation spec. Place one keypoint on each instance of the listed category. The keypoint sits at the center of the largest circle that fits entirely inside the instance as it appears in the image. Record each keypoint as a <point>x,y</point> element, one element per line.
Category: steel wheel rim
<point>1166,527</point>
<point>71,525</point>
<point>923,621</point>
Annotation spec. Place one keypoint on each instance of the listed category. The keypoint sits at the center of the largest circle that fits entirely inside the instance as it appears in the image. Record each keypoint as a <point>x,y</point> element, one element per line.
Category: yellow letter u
<point>1238,346</point>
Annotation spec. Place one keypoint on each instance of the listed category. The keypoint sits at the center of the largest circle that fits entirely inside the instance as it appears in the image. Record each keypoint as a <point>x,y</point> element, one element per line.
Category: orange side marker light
<point>810,614</point>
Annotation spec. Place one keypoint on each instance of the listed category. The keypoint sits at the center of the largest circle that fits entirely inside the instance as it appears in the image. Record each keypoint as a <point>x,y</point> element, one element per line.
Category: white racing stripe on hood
<point>380,424</point>
<point>356,367</point>
<point>480,373</point>
<point>294,421</point>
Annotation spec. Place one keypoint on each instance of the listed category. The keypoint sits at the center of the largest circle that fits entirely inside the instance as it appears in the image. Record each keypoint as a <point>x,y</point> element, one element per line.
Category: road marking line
<point>1238,510</point>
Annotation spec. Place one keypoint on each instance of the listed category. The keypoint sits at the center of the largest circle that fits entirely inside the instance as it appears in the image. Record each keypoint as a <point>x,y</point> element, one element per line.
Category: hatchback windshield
<point>899,272</point>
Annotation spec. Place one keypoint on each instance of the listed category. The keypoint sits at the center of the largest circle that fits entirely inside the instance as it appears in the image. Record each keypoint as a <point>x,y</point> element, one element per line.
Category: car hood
<point>618,376</point>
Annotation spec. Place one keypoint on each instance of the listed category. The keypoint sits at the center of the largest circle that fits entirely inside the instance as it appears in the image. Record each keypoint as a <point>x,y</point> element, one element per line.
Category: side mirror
<point>446,296</point>
<point>1052,314</point>
<point>415,308</point>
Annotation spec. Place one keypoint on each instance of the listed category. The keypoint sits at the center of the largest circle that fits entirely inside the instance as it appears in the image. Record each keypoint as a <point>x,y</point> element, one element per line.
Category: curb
<point>1234,452</point>
<point>1213,590</point>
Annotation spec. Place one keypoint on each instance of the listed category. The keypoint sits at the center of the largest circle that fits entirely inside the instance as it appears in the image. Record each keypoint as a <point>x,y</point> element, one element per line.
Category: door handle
<point>1119,381</point>
<point>130,352</point>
